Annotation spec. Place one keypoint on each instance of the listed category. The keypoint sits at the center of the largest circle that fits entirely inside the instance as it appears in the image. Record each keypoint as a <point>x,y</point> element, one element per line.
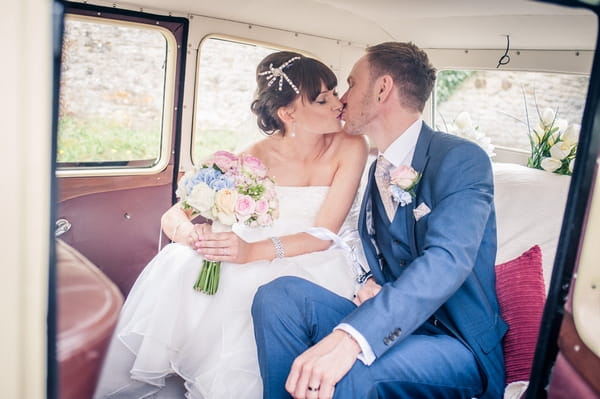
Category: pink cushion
<point>521,294</point>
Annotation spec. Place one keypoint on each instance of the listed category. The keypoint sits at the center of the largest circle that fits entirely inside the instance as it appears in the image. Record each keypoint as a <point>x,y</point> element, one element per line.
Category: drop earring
<point>293,130</point>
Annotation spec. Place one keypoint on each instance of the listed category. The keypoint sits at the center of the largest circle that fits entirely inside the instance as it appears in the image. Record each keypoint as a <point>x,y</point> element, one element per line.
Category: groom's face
<point>359,111</point>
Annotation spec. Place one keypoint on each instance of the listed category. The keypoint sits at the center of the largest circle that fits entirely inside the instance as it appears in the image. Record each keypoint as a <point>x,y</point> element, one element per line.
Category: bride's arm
<point>228,247</point>
<point>177,225</point>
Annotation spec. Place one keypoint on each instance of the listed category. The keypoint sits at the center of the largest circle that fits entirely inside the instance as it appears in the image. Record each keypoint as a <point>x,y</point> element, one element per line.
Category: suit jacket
<point>442,264</point>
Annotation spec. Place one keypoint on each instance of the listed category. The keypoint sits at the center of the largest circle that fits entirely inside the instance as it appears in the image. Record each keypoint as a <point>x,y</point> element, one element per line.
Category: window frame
<point>198,75</point>
<point>175,37</point>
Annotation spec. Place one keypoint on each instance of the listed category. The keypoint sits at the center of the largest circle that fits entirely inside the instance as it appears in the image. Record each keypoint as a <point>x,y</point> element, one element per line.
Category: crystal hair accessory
<point>277,73</point>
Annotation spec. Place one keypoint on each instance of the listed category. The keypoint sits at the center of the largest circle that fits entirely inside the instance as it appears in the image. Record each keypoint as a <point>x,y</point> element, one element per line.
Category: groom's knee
<point>277,295</point>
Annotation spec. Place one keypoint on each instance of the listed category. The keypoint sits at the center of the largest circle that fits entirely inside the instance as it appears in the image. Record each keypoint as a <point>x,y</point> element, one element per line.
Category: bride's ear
<point>286,114</point>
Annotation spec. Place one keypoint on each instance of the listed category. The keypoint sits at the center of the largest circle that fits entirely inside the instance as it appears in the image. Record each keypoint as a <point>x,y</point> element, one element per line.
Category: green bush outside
<point>447,82</point>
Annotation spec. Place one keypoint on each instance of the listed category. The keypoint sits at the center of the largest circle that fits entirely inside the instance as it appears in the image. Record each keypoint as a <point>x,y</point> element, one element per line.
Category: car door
<point>118,132</point>
<point>567,358</point>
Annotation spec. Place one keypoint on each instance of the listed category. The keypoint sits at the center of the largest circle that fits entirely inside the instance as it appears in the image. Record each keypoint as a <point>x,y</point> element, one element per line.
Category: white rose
<point>547,116</point>
<point>201,198</point>
<point>560,150</point>
<point>550,164</point>
<point>571,135</point>
<point>463,121</point>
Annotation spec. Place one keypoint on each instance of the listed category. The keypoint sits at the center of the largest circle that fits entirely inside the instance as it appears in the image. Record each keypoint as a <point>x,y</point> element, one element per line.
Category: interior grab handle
<point>62,226</point>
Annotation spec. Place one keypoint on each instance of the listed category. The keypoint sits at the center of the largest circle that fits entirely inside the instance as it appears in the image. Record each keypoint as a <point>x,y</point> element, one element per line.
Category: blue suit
<point>435,323</point>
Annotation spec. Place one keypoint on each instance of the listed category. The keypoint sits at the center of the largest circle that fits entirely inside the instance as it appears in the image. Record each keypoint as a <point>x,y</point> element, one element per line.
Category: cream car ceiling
<point>468,24</point>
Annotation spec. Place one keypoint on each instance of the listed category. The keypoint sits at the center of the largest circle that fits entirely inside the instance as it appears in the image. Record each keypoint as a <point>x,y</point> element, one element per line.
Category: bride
<point>168,332</point>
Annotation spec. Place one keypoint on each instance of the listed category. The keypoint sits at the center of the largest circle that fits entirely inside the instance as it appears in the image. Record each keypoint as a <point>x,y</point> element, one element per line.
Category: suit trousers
<point>291,314</point>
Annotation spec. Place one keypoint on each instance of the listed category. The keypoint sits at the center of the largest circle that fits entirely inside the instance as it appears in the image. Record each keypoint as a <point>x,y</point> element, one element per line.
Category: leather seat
<point>88,309</point>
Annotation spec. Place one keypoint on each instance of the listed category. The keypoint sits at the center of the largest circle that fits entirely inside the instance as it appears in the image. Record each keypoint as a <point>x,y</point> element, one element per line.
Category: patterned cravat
<point>382,178</point>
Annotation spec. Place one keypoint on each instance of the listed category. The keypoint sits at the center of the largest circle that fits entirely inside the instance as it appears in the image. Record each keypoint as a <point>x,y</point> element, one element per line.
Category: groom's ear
<point>384,85</point>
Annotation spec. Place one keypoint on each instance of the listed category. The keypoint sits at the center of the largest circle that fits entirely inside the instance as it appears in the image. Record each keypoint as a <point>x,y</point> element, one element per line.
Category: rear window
<point>503,105</point>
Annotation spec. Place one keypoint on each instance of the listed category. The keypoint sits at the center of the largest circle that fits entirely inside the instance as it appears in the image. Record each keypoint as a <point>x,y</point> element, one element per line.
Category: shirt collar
<point>401,151</point>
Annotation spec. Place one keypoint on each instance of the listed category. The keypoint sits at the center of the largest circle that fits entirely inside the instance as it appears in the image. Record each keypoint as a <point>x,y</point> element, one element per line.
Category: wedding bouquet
<point>227,189</point>
<point>553,144</point>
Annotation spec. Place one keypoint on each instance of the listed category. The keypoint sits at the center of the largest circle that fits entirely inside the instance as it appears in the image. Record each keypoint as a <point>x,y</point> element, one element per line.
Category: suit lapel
<point>364,219</point>
<point>419,162</point>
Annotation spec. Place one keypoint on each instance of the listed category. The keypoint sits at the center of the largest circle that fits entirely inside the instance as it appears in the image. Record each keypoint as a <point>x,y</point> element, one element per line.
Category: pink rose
<point>253,165</point>
<point>262,207</point>
<point>225,160</point>
<point>245,207</point>
<point>404,177</point>
<point>264,220</point>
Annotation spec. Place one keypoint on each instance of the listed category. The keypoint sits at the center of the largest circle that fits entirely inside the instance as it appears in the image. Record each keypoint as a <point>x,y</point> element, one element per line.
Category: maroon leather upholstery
<point>88,309</point>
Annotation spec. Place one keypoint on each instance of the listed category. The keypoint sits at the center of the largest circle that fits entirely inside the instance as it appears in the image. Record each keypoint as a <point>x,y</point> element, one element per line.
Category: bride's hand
<point>225,246</point>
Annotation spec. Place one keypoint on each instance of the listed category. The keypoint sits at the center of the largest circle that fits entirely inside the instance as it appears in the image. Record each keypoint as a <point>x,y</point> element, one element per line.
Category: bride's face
<point>321,116</point>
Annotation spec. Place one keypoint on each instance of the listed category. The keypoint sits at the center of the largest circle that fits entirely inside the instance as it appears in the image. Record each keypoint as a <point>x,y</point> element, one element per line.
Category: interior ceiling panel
<point>429,23</point>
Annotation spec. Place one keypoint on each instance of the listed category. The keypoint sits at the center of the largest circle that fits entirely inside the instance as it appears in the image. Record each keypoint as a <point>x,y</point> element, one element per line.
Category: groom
<point>427,323</point>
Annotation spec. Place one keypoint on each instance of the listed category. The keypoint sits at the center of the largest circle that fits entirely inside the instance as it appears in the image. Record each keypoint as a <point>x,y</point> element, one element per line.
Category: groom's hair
<point>410,68</point>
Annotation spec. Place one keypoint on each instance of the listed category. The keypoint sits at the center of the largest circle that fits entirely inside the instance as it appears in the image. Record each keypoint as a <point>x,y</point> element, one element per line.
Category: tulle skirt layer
<point>166,327</point>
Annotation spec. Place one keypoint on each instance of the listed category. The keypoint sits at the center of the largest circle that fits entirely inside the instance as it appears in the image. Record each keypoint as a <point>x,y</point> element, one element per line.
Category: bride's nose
<point>337,105</point>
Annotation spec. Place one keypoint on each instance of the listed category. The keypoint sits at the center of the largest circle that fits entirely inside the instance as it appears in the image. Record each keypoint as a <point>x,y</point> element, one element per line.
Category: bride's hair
<point>280,78</point>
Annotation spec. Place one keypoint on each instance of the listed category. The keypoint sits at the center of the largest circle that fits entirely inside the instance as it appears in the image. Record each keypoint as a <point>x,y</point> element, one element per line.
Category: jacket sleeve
<point>461,190</point>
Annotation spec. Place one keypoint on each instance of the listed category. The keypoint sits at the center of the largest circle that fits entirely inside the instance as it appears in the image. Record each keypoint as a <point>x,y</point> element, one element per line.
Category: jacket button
<point>397,332</point>
<point>387,341</point>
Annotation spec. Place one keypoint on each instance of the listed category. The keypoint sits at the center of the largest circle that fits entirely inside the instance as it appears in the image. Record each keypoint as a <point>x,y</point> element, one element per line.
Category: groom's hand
<point>315,372</point>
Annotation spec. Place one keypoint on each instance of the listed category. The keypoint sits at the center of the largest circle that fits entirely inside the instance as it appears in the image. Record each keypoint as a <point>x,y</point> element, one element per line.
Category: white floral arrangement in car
<point>553,143</point>
<point>463,126</point>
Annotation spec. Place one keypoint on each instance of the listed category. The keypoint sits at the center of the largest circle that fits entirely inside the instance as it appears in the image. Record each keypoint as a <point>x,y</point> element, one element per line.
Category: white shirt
<point>400,152</point>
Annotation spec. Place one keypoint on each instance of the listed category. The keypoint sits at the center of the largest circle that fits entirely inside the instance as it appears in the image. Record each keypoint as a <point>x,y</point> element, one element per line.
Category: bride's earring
<point>293,130</point>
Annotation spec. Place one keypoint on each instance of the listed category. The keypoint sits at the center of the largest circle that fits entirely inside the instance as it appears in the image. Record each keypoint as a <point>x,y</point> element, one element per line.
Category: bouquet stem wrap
<point>208,280</point>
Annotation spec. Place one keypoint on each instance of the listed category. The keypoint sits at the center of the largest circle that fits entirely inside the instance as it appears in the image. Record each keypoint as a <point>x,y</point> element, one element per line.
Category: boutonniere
<point>403,181</point>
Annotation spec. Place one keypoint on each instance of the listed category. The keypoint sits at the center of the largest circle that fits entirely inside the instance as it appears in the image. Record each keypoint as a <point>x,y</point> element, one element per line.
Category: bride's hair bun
<point>275,90</point>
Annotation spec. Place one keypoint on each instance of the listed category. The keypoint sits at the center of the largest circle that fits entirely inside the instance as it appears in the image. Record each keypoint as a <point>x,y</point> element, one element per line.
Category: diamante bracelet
<point>279,250</point>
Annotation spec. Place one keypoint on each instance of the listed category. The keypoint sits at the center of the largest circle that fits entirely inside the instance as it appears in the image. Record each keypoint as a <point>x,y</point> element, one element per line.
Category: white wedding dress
<point>166,327</point>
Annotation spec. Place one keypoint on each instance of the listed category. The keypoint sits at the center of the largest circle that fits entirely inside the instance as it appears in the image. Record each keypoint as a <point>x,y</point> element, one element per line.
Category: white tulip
<point>562,125</point>
<point>463,121</point>
<point>571,164</point>
<point>548,116</point>
<point>550,164</point>
<point>571,135</point>
<point>537,135</point>
<point>560,150</point>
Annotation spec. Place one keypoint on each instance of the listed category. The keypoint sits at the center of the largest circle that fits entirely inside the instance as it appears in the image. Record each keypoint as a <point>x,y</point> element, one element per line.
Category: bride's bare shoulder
<point>260,148</point>
<point>358,144</point>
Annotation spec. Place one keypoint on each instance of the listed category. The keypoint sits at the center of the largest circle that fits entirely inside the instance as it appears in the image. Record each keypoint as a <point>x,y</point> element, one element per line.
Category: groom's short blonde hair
<point>410,68</point>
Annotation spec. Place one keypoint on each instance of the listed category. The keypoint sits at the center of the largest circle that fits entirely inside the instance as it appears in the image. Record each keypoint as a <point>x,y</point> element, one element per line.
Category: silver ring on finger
<point>312,389</point>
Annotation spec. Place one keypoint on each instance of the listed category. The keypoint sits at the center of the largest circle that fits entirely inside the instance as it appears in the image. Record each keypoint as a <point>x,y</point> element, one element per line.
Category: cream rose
<point>225,202</point>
